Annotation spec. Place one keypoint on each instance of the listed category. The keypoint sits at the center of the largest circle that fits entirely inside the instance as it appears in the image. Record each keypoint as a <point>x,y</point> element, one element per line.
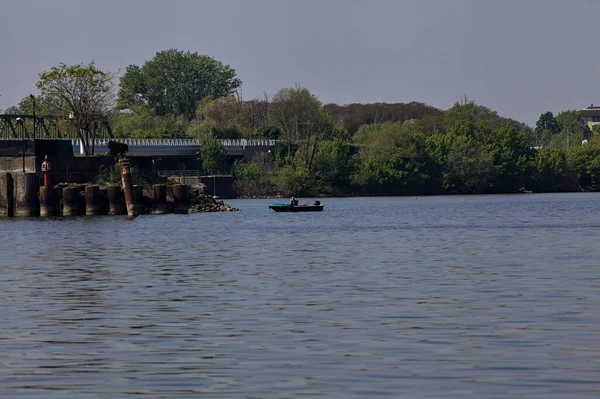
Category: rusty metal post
<point>92,200</point>
<point>115,200</point>
<point>46,201</point>
<point>181,201</point>
<point>70,203</point>
<point>46,167</point>
<point>159,193</point>
<point>127,181</point>
<point>26,194</point>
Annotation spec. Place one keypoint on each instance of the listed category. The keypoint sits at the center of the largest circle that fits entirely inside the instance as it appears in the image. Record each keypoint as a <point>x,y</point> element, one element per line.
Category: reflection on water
<point>450,297</point>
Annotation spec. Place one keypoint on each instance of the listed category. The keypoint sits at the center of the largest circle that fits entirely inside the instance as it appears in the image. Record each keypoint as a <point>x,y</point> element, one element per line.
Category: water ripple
<point>449,297</point>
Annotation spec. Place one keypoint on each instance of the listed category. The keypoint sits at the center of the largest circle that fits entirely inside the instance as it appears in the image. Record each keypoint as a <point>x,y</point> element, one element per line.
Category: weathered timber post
<point>159,192</point>
<point>70,201</point>
<point>26,195</point>
<point>47,198</point>
<point>181,201</point>
<point>92,200</point>
<point>127,181</point>
<point>115,200</point>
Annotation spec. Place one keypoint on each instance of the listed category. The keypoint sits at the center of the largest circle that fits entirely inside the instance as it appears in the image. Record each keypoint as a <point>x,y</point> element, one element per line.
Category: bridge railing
<point>177,142</point>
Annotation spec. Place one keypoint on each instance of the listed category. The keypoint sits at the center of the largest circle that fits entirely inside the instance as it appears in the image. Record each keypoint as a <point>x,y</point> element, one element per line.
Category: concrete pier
<point>159,193</point>
<point>26,195</point>
<point>6,189</point>
<point>138,192</point>
<point>70,201</point>
<point>47,201</point>
<point>92,201</point>
<point>115,200</point>
<point>181,200</point>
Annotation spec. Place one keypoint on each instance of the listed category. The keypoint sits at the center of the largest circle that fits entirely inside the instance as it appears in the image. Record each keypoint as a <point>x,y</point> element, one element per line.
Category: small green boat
<point>288,207</point>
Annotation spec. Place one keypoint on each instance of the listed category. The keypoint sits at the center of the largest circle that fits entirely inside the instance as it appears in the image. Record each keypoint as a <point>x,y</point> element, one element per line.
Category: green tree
<point>545,128</point>
<point>584,162</point>
<point>394,159</point>
<point>303,122</point>
<point>475,158</point>
<point>83,92</point>
<point>470,167</point>
<point>212,152</point>
<point>547,122</point>
<point>512,156</point>
<point>550,168</point>
<point>332,165</point>
<point>572,130</point>
<point>140,121</point>
<point>44,105</point>
<point>174,81</point>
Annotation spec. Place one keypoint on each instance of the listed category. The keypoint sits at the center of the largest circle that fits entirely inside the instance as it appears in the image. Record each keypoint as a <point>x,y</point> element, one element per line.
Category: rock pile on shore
<point>205,203</point>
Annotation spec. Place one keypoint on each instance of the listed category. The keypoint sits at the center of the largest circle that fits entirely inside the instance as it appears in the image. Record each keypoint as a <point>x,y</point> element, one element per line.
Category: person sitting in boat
<point>293,202</point>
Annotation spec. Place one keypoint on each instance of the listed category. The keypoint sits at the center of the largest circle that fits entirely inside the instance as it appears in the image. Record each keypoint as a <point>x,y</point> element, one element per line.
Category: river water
<point>435,297</point>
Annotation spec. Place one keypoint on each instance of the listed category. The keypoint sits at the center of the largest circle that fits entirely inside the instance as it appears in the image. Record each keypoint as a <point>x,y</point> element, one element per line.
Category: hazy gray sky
<point>519,57</point>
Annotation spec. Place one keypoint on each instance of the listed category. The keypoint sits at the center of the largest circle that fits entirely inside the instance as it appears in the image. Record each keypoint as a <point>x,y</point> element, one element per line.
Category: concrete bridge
<point>178,147</point>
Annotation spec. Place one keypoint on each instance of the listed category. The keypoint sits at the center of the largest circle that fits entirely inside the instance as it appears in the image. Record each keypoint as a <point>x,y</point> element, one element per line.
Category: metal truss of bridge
<point>13,126</point>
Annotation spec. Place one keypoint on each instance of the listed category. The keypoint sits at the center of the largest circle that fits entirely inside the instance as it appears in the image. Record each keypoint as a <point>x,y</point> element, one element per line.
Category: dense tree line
<point>369,149</point>
<point>467,149</point>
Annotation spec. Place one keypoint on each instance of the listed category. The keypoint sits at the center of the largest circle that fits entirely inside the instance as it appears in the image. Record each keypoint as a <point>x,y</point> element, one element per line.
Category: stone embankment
<point>199,202</point>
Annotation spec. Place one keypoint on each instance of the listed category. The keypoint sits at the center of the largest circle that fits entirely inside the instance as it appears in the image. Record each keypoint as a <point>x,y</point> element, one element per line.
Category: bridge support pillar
<point>115,200</point>
<point>47,201</point>
<point>92,200</point>
<point>181,201</point>
<point>26,195</point>
<point>70,201</point>
<point>6,195</point>
<point>159,192</point>
<point>138,192</point>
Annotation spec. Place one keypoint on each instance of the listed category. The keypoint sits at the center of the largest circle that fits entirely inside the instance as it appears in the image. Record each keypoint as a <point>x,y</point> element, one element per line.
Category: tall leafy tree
<point>572,130</point>
<point>547,122</point>
<point>212,152</point>
<point>303,122</point>
<point>545,128</point>
<point>393,159</point>
<point>83,92</point>
<point>584,163</point>
<point>549,168</point>
<point>174,81</point>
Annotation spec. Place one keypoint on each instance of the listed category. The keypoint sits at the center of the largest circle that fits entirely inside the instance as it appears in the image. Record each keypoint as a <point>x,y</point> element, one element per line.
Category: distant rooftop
<point>590,111</point>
